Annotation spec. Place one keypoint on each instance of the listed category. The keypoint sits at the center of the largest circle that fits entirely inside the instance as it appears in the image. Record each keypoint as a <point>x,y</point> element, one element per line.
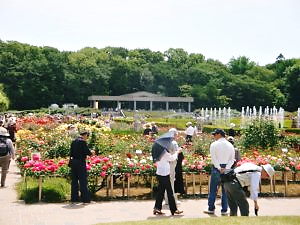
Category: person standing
<point>79,151</point>
<point>7,152</point>
<point>247,175</point>
<point>174,148</point>
<point>237,155</point>
<point>147,130</point>
<point>164,184</point>
<point>154,128</point>
<point>178,184</point>
<point>12,128</point>
<point>190,131</point>
<point>222,156</point>
<point>231,131</point>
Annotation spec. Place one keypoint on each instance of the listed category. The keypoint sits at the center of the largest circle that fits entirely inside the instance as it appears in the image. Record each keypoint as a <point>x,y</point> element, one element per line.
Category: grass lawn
<point>272,220</point>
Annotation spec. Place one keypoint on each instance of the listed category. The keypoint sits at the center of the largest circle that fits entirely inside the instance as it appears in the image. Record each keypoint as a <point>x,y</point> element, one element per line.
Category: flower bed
<point>43,149</point>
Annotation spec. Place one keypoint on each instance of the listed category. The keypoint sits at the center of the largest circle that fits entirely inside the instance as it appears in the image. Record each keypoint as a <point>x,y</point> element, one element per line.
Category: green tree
<point>176,56</point>
<point>240,65</point>
<point>185,90</point>
<point>4,101</point>
<point>293,84</point>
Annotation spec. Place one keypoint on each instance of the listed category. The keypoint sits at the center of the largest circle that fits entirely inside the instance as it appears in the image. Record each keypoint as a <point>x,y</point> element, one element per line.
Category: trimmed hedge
<point>211,128</point>
<point>167,123</point>
<point>293,130</point>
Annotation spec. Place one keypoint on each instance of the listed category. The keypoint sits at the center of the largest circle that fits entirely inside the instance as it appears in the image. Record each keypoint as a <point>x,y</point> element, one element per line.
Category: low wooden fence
<point>195,183</point>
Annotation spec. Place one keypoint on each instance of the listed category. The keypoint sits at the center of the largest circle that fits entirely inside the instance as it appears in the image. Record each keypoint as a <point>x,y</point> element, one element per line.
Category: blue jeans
<point>215,182</point>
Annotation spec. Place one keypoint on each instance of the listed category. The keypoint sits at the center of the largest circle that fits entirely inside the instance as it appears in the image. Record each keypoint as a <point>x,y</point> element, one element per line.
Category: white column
<point>189,106</point>
<point>95,103</point>
<point>134,105</point>
<point>167,106</point>
<point>151,105</point>
<point>119,105</point>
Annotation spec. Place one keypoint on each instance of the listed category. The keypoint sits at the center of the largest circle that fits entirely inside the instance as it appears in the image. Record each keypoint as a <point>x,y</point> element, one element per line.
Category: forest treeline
<point>32,77</point>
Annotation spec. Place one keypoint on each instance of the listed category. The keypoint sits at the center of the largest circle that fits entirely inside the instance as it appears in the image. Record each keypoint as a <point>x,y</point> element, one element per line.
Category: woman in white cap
<point>246,175</point>
<point>190,131</point>
<point>7,152</point>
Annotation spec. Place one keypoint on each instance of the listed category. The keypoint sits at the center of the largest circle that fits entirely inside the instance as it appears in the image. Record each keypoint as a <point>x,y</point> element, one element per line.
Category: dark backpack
<point>230,175</point>
<point>4,150</point>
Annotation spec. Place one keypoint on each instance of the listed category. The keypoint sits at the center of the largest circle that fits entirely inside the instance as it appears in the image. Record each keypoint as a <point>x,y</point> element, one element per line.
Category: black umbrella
<point>161,145</point>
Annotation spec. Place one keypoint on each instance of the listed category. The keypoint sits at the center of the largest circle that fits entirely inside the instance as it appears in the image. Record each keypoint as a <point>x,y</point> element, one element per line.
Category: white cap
<point>230,138</point>
<point>189,123</point>
<point>269,169</point>
<point>3,132</point>
<point>173,130</point>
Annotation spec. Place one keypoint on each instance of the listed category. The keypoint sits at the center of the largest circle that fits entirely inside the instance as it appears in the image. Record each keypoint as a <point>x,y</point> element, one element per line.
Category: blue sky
<point>219,29</point>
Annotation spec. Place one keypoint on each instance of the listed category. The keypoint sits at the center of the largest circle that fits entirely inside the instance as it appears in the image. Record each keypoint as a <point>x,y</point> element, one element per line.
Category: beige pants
<point>172,179</point>
<point>4,164</point>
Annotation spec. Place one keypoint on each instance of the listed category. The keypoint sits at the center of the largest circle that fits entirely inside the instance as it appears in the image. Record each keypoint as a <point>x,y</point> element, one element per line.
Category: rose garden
<point>122,167</point>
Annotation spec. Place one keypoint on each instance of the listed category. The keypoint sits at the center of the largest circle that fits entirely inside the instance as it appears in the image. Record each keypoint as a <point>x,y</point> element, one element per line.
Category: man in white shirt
<point>247,175</point>
<point>222,157</point>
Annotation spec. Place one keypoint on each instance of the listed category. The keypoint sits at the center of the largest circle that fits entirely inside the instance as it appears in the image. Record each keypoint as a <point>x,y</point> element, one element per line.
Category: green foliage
<point>4,101</point>
<point>293,84</point>
<point>292,141</point>
<point>53,190</point>
<point>35,77</point>
<point>240,65</point>
<point>260,134</point>
<point>211,128</point>
<point>293,130</point>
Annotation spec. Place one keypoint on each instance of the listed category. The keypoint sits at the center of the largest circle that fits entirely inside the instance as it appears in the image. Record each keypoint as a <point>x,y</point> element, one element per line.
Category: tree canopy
<point>35,77</point>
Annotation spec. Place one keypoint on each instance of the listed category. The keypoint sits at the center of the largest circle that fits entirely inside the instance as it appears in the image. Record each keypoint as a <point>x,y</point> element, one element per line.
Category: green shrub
<point>292,141</point>
<point>293,130</point>
<point>53,190</point>
<point>260,133</point>
<point>211,128</point>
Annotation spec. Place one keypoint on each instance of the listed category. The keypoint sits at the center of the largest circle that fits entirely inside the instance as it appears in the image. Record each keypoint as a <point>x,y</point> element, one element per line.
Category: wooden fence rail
<point>189,178</point>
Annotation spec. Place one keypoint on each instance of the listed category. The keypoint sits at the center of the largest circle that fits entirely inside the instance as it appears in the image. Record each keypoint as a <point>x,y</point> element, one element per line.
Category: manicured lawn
<point>274,220</point>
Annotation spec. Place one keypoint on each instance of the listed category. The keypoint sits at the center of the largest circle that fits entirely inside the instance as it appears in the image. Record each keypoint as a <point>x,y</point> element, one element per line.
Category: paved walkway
<point>18,213</point>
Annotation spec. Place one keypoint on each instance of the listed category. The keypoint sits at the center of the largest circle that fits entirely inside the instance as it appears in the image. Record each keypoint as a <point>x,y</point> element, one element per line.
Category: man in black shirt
<point>79,151</point>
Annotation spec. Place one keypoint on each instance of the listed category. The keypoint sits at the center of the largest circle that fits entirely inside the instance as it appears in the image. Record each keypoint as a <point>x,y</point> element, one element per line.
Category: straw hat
<point>189,123</point>
<point>269,169</point>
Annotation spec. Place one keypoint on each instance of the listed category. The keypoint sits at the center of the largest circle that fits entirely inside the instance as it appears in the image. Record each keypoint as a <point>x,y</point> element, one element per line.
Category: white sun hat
<point>232,125</point>
<point>269,169</point>
<point>173,130</point>
<point>230,138</point>
<point>3,132</point>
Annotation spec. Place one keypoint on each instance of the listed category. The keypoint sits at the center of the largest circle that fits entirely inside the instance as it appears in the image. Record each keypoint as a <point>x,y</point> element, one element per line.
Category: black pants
<point>79,181</point>
<point>165,184</point>
<point>236,198</point>
<point>188,138</point>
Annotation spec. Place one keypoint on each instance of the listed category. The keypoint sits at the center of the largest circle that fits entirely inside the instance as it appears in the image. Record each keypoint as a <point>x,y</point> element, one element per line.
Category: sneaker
<point>209,211</point>
<point>224,213</point>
